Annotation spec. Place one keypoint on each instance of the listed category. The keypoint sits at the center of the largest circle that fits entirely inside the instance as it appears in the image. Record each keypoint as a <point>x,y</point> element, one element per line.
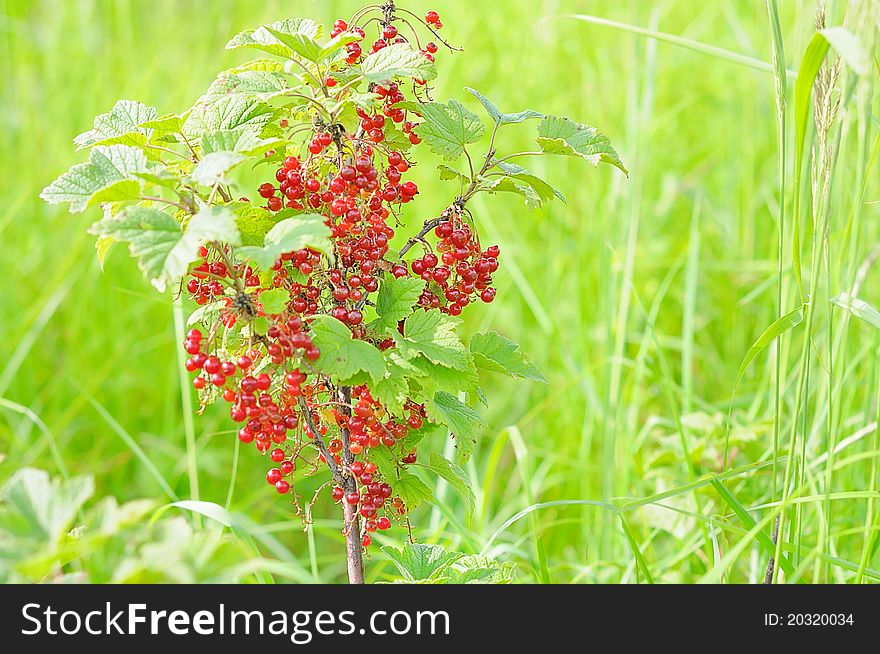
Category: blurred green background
<point>638,298</point>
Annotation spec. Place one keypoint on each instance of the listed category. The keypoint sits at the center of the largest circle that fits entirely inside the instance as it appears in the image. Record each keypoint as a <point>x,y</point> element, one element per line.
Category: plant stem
<point>351,526</point>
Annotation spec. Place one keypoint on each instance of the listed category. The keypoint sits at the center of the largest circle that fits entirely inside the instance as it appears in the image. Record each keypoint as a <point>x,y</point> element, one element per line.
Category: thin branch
<point>319,441</point>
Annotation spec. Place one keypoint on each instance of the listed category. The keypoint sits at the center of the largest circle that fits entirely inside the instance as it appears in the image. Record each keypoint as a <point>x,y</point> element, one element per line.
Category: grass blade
<point>690,44</point>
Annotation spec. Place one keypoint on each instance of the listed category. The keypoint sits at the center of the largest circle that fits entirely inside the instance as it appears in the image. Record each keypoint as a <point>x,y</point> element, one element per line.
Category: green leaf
<point>342,355</point>
<point>419,562</point>
<point>396,299</point>
<point>386,462</point>
<point>456,478</point>
<point>254,222</point>
<point>448,173</point>
<point>161,247</point>
<point>564,136</point>
<point>498,116</point>
<point>302,231</point>
<point>774,331</point>
<point>167,124</point>
<point>811,62</point>
<point>108,176</point>
<point>433,334</point>
<point>122,125</point>
<point>397,60</point>
<point>447,127</point>
<point>462,421</point>
<point>44,509</point>
<point>496,353</point>
<point>859,308</point>
<point>245,140</point>
<point>300,38</point>
<point>211,114</point>
<point>506,184</point>
<point>393,389</point>
<point>544,190</point>
<point>160,177</point>
<point>213,167</point>
<point>412,490</point>
<point>433,378</point>
<point>262,83</point>
<point>274,300</point>
<point>266,37</point>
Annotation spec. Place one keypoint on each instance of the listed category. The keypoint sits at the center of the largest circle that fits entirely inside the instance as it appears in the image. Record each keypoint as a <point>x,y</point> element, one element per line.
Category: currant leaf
<point>266,37</point>
<point>397,60</point>
<point>163,249</point>
<point>396,299</point>
<point>303,231</point>
<point>497,115</point>
<point>108,176</point>
<point>123,124</point>
<point>564,136</point>
<point>447,127</point>
<point>495,353</point>
<point>412,490</point>
<point>433,334</point>
<point>464,423</point>
<point>342,355</point>
<point>456,478</point>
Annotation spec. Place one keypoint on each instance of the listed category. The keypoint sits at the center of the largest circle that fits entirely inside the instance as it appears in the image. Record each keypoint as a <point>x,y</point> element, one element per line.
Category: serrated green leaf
<point>433,378</point>
<point>260,325</point>
<point>456,478</point>
<point>433,334</point>
<point>121,125</point>
<point>498,116</point>
<point>265,37</point>
<point>397,60</point>
<point>167,124</point>
<point>342,355</point>
<point>566,137</point>
<point>215,113</point>
<point>506,184</point>
<point>301,38</point>
<point>108,176</point>
<point>254,222</point>
<point>45,508</point>
<point>302,231</point>
<point>396,299</point>
<point>159,177</point>
<point>447,127</point>
<point>262,83</point>
<point>448,173</point>
<point>496,353</point>
<point>266,65</point>
<point>462,421</point>
<point>544,190</point>
<point>386,462</point>
<point>162,248</point>
<point>419,562</point>
<point>213,167</point>
<point>274,300</point>
<point>412,490</point>
<point>393,389</point>
<point>243,140</point>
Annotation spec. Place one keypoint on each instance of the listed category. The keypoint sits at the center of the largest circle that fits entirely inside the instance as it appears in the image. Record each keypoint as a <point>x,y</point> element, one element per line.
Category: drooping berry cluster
<point>356,181</point>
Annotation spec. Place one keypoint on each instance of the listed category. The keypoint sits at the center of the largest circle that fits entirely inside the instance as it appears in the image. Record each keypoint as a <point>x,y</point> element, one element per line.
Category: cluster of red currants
<point>356,181</point>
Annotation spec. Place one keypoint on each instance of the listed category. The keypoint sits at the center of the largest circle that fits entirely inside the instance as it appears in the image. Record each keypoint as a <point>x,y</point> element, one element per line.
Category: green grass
<point>639,299</point>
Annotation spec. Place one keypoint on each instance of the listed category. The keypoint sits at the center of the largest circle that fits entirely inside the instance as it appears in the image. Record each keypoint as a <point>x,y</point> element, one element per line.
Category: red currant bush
<point>326,303</point>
